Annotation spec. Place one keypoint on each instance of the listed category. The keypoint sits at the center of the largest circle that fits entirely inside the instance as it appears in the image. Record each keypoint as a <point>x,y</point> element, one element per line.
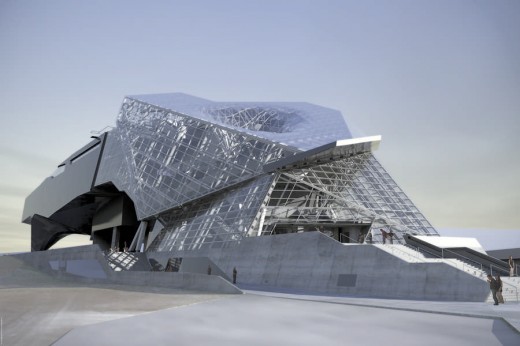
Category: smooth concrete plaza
<point>242,223</point>
<point>186,318</point>
<point>39,309</point>
<point>265,320</point>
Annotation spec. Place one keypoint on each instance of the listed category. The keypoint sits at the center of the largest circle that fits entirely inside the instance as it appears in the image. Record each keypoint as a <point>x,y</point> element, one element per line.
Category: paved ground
<point>39,316</point>
<point>36,309</point>
<point>509,312</point>
<point>253,319</point>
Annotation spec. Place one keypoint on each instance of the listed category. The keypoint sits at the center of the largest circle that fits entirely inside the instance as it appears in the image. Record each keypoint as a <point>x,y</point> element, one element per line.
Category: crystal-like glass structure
<point>215,172</point>
<point>183,173</point>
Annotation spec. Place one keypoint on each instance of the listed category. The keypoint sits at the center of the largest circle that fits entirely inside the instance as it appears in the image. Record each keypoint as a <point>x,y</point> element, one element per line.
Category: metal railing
<point>516,271</point>
<point>497,269</point>
<point>465,267</point>
<point>513,286</point>
<point>343,236</point>
<point>396,249</point>
<point>459,255</point>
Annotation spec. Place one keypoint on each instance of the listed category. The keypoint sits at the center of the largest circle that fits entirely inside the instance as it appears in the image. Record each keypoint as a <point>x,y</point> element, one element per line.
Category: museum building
<point>277,189</point>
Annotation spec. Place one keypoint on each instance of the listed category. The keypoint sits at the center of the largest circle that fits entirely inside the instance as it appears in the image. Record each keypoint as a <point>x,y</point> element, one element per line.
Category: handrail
<point>515,270</point>
<point>392,248</point>
<point>353,240</point>
<point>459,255</point>
<point>516,289</point>
<point>424,260</point>
<point>482,272</point>
<point>499,269</point>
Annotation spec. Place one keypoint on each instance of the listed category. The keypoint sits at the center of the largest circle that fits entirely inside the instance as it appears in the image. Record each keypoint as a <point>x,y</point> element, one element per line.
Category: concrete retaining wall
<point>306,262</point>
<point>314,263</point>
<point>87,264</point>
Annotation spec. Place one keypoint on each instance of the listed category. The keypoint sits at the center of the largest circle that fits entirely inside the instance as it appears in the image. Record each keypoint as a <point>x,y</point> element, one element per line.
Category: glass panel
<point>335,193</point>
<point>227,217</point>
<point>163,159</point>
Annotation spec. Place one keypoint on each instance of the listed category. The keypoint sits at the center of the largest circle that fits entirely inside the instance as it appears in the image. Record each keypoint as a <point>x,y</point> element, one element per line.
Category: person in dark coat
<point>235,275</point>
<point>499,289</point>
<point>493,286</point>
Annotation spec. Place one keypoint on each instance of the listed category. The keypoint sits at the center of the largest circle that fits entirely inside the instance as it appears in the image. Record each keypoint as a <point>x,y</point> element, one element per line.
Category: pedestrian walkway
<point>266,318</point>
<point>509,312</point>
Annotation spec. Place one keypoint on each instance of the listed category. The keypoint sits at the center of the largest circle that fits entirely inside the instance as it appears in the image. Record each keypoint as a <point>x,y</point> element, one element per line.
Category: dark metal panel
<point>46,232</point>
<point>56,191</point>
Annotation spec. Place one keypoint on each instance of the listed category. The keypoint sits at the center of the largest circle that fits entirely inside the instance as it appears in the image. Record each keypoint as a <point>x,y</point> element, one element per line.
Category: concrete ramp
<point>16,273</point>
<point>88,265</point>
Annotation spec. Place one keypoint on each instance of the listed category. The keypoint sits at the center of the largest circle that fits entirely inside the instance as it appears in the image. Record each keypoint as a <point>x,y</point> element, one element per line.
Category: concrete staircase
<point>510,287</point>
<point>510,290</point>
<point>413,256</point>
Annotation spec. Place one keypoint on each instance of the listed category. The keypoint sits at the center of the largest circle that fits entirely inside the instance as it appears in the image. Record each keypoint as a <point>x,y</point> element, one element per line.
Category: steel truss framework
<point>354,190</point>
<point>201,175</point>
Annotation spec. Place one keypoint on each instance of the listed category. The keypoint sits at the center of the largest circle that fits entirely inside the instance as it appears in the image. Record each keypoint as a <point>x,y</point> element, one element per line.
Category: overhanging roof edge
<point>333,150</point>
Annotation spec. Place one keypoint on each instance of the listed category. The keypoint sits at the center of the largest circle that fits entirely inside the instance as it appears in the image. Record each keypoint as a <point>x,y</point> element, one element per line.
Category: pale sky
<point>439,80</point>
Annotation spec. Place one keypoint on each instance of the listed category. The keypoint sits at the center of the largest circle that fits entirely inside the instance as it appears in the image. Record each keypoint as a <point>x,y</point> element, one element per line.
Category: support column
<point>140,241</point>
<point>115,238</point>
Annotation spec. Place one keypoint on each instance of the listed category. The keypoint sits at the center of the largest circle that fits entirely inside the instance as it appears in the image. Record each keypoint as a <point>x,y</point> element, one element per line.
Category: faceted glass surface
<point>163,159</point>
<point>353,190</point>
<point>198,167</point>
<point>211,222</point>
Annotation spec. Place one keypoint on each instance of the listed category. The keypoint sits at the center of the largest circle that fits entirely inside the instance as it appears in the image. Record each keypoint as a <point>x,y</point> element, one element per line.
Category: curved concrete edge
<point>511,323</point>
<point>188,281</point>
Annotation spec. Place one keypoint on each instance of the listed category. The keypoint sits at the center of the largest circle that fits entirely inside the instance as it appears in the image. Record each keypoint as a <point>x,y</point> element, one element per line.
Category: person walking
<point>499,289</point>
<point>493,287</point>
<point>209,269</point>
<point>511,266</point>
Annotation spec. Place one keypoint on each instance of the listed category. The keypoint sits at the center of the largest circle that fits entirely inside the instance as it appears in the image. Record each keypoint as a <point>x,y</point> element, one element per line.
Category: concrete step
<point>412,256</point>
<point>508,298</point>
<point>402,252</point>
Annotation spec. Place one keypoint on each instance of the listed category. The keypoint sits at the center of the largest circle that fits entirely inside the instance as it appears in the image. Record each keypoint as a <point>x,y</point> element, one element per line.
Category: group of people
<point>495,284</point>
<point>387,236</point>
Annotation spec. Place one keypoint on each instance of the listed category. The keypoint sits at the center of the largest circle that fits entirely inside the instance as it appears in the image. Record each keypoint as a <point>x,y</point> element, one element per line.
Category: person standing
<point>493,287</point>
<point>499,289</point>
<point>235,275</point>
<point>511,266</point>
<point>383,235</point>
<point>209,269</point>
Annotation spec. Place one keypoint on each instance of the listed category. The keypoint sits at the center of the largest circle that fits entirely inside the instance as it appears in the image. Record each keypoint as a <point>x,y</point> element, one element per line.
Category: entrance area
<point>343,232</point>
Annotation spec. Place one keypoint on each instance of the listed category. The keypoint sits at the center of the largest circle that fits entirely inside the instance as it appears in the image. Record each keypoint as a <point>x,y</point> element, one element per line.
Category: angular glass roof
<point>298,124</point>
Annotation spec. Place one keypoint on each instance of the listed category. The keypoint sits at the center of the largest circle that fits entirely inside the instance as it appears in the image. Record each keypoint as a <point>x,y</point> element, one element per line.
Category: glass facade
<point>163,159</point>
<point>356,190</point>
<point>212,222</point>
<point>207,172</point>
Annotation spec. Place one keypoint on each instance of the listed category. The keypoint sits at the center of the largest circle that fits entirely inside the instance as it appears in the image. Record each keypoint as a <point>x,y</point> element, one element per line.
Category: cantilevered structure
<point>183,173</point>
<point>279,191</point>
